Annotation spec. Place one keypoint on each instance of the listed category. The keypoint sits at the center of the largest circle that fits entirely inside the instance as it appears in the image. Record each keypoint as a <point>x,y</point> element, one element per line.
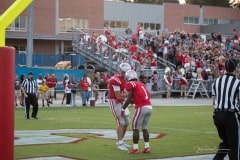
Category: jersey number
<point>144,90</point>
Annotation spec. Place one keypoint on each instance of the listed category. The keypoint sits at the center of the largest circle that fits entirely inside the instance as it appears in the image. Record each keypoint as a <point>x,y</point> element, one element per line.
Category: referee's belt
<point>32,94</point>
<point>225,110</point>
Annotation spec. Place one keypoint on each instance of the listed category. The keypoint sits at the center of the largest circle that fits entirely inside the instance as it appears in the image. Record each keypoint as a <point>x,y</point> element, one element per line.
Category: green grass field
<point>189,131</point>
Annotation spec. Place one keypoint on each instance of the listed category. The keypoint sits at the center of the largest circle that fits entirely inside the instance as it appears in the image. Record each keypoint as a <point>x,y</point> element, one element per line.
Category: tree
<point>235,3</point>
<point>222,3</point>
<point>219,3</point>
<point>152,1</point>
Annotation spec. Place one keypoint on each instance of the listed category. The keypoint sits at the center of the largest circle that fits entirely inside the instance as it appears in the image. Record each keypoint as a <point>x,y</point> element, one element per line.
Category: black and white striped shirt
<point>226,91</point>
<point>29,85</point>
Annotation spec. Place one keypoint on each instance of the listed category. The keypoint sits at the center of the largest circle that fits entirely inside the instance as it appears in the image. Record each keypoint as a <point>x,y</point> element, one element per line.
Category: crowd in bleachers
<point>201,56</point>
<point>193,52</point>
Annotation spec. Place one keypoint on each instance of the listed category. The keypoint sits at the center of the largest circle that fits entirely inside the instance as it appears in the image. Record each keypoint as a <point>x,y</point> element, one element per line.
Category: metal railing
<point>97,51</point>
<point>140,49</point>
<point>176,87</point>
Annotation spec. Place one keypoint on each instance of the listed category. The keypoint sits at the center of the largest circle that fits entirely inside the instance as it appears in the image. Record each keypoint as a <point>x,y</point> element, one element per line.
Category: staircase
<point>109,58</point>
<point>101,54</point>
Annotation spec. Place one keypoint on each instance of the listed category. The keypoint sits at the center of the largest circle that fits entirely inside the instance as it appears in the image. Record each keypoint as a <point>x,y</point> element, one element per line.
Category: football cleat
<point>128,146</point>
<point>133,151</point>
<point>122,147</point>
<point>146,150</point>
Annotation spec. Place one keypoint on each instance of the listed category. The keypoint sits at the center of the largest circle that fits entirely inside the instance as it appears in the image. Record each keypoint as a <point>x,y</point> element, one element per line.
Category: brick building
<point>53,20</point>
<point>52,23</point>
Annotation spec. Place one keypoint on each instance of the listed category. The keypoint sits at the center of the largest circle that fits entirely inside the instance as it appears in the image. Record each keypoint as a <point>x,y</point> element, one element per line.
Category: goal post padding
<point>7,78</point>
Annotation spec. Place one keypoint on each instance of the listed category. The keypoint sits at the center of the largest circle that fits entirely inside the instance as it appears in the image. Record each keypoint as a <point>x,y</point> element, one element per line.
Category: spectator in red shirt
<point>179,59</point>
<point>183,83</point>
<point>51,82</point>
<point>126,44</point>
<point>107,31</point>
<point>199,68</point>
<point>106,79</point>
<point>133,48</point>
<point>83,85</point>
<point>134,38</point>
<point>153,64</point>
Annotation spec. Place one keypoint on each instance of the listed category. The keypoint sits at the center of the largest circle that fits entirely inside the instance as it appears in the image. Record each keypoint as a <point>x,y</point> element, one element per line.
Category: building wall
<point>221,13</point>
<point>226,29</point>
<point>5,4</point>
<point>47,12</point>
<point>44,46</point>
<point>93,10</point>
<point>46,15</point>
<point>133,13</point>
<point>13,42</point>
<point>174,17</point>
<point>170,15</point>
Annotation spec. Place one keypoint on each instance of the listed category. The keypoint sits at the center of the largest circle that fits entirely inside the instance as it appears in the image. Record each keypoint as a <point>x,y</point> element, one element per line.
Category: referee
<point>225,93</point>
<point>29,89</point>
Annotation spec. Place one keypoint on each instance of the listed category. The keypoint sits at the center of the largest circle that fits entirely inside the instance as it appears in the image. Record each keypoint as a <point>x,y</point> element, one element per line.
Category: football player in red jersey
<point>139,95</point>
<point>116,98</point>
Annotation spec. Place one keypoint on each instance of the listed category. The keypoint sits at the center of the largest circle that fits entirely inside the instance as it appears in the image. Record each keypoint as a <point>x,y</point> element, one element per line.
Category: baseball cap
<point>30,73</point>
<point>230,65</point>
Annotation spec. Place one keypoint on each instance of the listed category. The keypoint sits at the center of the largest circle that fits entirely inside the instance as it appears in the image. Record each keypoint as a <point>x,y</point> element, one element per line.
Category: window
<point>19,24</point>
<point>112,24</point>
<point>191,20</point>
<point>205,21</point>
<point>106,24</point>
<point>66,24</point>
<point>196,20</point>
<point>232,21</point>
<point>125,25</point>
<point>119,24</point>
<point>151,26</point>
<point>158,26</point>
<point>210,21</point>
<point>84,23</point>
<point>20,49</point>
<point>76,23</point>
<point>62,24</point>
<point>66,50</point>
<point>116,24</point>
<point>69,24</point>
<point>146,26</point>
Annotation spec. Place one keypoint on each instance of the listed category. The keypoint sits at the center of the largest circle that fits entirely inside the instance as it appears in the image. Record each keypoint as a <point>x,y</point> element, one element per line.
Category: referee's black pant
<point>31,100</point>
<point>228,126</point>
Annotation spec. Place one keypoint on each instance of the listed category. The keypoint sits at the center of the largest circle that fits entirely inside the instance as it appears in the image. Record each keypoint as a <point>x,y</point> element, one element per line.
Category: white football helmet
<point>130,75</point>
<point>167,70</point>
<point>124,67</point>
